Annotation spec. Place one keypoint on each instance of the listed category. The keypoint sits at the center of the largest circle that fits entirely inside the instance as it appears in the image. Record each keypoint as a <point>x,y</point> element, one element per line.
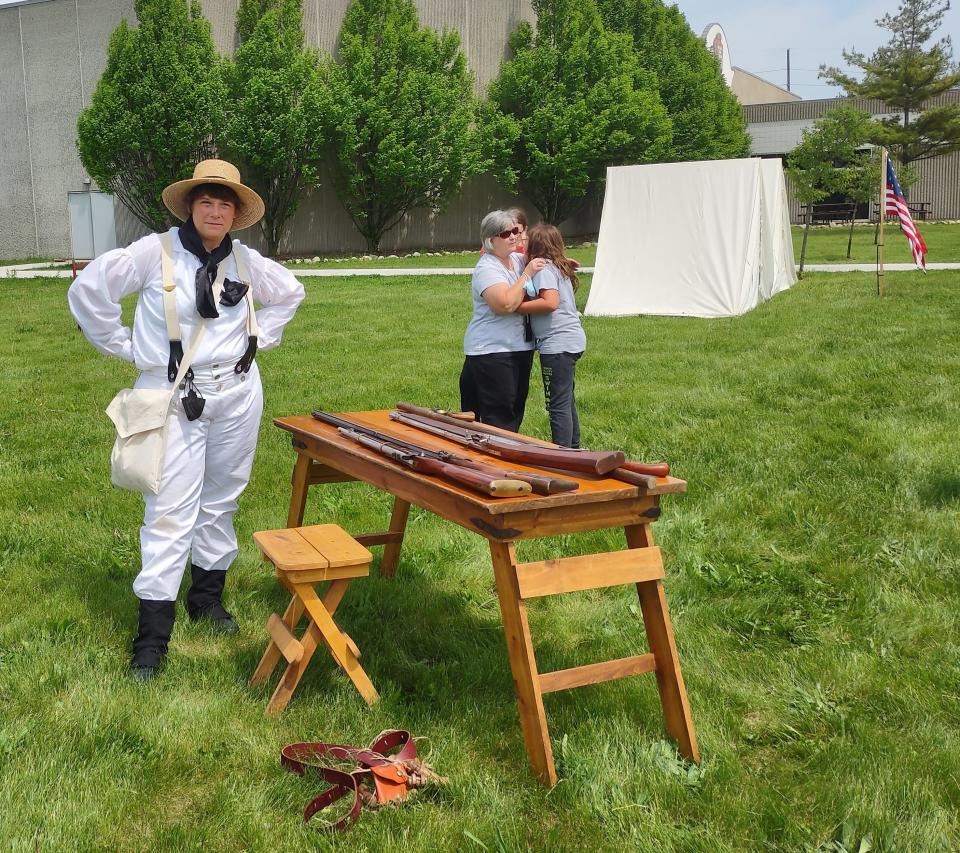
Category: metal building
<point>777,128</point>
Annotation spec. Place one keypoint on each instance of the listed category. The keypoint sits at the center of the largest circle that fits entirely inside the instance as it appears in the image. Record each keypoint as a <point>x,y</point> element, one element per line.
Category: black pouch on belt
<point>192,402</point>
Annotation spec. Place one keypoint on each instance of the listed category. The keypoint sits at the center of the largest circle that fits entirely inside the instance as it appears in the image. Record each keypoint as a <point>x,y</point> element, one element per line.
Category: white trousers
<point>206,468</point>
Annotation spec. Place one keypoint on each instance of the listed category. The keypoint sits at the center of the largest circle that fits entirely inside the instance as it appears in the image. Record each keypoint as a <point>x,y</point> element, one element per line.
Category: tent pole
<point>881,214</point>
<point>806,230</point>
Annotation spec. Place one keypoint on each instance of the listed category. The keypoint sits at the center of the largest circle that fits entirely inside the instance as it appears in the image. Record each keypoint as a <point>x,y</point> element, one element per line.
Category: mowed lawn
<point>813,574</point>
<point>825,245</point>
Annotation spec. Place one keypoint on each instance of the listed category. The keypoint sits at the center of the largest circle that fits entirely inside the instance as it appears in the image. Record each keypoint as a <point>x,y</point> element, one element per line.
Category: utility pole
<point>788,69</point>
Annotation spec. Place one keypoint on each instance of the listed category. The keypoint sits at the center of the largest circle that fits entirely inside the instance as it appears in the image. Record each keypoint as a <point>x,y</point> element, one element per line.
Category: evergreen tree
<point>578,102</point>
<point>154,111</point>
<point>905,74</point>
<point>272,129</point>
<point>707,120</point>
<point>399,116</point>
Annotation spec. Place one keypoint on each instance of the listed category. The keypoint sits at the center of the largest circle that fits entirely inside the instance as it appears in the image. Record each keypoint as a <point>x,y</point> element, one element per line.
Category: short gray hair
<point>493,223</point>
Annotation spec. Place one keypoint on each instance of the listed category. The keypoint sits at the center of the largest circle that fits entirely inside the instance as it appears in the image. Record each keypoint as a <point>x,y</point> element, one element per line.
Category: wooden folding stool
<point>304,557</point>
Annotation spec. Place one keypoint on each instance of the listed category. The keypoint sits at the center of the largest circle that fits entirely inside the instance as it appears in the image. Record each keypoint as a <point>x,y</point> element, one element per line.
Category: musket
<point>457,416</point>
<point>542,484</point>
<point>565,459</point>
<point>435,468</point>
<point>646,469</point>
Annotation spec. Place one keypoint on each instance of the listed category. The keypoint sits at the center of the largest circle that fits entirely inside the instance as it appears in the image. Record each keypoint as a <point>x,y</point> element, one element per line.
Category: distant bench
<point>845,211</point>
<point>918,210</point>
<point>828,211</point>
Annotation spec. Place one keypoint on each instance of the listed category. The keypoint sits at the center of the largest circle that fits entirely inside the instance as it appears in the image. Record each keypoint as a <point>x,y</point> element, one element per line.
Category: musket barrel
<point>495,486</point>
<point>583,461</point>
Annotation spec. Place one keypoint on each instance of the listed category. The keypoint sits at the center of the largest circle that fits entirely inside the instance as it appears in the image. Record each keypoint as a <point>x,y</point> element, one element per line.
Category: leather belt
<point>383,762</point>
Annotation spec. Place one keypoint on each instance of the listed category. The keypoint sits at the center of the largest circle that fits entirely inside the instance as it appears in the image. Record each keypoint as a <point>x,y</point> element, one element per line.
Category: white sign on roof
<point>716,41</point>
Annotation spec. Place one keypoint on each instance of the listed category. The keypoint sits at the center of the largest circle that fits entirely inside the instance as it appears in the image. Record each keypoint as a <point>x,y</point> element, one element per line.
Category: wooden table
<point>323,456</point>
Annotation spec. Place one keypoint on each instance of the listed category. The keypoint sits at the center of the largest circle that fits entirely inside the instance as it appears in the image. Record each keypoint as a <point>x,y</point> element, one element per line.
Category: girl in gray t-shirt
<point>559,337</point>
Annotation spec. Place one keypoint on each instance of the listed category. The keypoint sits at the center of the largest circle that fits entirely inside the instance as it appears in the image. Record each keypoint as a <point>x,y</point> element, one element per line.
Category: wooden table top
<point>327,445</point>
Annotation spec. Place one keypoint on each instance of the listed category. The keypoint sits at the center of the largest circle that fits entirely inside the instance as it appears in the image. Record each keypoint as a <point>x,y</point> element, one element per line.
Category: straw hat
<point>215,172</point>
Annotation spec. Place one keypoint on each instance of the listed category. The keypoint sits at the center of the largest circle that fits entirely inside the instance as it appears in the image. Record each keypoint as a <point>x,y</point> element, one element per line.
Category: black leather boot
<point>150,644</point>
<point>205,600</point>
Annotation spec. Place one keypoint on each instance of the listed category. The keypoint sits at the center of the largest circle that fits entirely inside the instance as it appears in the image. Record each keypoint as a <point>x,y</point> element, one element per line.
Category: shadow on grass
<point>941,489</point>
<point>437,661</point>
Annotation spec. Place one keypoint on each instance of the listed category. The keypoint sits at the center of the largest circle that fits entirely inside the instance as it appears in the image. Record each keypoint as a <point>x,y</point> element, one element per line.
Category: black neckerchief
<point>233,291</point>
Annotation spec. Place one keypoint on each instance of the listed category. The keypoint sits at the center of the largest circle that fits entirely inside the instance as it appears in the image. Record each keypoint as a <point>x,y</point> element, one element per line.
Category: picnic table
<point>323,456</point>
<point>828,211</point>
<point>919,209</point>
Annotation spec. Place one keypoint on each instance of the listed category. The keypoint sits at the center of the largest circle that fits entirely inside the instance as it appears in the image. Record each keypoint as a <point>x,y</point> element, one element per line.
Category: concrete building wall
<point>751,89</point>
<point>51,56</point>
<point>18,232</point>
<point>777,137</point>
<point>53,52</point>
<point>321,224</point>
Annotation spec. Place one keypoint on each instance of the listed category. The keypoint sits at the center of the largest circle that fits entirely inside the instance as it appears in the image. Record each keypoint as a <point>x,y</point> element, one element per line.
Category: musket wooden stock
<point>542,484</point>
<point>624,475</point>
<point>497,488</point>
<point>583,461</point>
<point>539,483</point>
<point>468,477</point>
<point>653,469</point>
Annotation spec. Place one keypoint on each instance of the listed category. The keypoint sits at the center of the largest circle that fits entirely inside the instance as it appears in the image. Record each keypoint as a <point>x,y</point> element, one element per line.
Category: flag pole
<point>882,215</point>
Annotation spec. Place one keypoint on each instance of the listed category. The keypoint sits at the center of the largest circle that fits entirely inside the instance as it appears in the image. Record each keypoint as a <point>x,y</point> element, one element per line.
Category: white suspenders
<point>170,288</point>
<point>244,272</point>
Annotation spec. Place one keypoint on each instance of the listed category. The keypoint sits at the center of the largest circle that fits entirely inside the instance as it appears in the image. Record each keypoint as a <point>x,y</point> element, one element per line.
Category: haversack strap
<point>253,331</point>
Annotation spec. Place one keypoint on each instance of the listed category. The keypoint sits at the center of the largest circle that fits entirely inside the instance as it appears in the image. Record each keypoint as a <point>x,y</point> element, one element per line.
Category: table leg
<point>523,664</point>
<point>391,551</point>
<point>656,621</point>
<point>298,494</point>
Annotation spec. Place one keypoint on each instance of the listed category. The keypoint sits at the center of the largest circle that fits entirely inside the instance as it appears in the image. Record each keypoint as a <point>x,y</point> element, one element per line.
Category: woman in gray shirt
<point>496,369</point>
<point>559,337</point>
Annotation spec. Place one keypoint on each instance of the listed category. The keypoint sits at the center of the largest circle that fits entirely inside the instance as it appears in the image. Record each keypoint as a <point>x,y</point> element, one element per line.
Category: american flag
<point>896,203</point>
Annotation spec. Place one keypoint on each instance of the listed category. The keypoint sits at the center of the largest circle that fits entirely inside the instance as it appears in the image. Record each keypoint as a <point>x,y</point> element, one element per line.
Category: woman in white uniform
<point>213,424</point>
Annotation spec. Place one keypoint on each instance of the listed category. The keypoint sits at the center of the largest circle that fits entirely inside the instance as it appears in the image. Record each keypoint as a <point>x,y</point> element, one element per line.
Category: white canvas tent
<point>703,239</point>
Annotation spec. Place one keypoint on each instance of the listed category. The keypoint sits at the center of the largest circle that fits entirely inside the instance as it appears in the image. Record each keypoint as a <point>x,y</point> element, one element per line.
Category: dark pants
<point>495,387</point>
<point>559,378</point>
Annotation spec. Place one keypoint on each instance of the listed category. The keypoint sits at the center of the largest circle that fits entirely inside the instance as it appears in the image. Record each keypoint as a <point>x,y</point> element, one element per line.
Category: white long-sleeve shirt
<point>95,296</point>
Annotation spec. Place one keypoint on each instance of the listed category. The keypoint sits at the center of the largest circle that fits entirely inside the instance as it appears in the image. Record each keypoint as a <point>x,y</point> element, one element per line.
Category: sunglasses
<point>505,235</point>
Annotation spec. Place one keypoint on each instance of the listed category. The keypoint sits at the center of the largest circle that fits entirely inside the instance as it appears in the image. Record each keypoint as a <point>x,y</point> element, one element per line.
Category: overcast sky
<point>816,31</point>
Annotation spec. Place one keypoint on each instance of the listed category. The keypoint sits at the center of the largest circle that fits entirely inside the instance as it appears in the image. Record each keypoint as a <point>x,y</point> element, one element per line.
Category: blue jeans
<point>559,378</point>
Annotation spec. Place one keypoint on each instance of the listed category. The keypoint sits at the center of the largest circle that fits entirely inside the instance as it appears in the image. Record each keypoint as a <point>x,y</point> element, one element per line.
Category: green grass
<point>828,245</point>
<point>812,575</point>
<point>824,245</point>
<point>452,260</point>
<point>15,261</point>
